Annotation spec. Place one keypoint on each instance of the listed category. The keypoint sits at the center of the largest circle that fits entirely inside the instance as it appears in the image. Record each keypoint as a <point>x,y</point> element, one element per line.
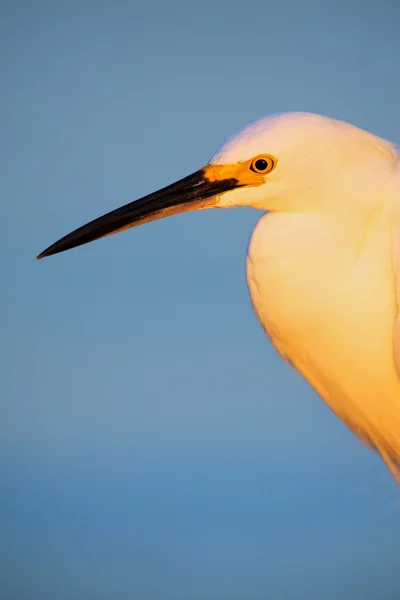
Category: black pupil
<point>261,164</point>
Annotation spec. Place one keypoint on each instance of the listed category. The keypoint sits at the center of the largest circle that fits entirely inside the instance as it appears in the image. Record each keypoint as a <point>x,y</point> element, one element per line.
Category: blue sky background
<point>152,444</point>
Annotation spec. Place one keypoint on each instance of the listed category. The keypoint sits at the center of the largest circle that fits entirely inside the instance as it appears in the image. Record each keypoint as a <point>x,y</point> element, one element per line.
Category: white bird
<point>323,264</point>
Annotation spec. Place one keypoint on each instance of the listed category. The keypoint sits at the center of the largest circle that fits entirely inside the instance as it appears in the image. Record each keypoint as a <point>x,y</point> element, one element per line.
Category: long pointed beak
<point>194,192</point>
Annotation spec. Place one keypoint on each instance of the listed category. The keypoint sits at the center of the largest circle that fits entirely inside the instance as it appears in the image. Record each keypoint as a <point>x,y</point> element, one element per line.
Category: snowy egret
<point>323,264</point>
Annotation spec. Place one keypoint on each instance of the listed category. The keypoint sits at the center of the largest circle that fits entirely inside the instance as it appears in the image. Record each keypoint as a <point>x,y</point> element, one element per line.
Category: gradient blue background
<point>152,443</point>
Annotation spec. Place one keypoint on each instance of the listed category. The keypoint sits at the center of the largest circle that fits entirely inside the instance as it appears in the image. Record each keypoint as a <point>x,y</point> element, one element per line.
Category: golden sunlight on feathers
<point>323,264</point>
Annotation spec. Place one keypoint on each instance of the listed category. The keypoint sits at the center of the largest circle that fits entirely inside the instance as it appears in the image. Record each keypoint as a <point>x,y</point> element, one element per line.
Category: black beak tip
<point>43,254</point>
<point>48,252</point>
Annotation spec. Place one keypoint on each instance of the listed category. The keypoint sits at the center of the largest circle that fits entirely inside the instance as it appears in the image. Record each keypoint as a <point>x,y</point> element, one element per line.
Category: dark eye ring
<point>262,164</point>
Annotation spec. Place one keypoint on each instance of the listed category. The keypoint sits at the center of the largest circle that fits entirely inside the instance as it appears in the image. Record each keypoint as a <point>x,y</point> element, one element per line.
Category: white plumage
<point>323,266</point>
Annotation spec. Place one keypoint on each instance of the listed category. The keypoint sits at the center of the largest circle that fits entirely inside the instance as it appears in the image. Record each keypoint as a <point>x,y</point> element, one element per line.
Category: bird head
<point>290,162</point>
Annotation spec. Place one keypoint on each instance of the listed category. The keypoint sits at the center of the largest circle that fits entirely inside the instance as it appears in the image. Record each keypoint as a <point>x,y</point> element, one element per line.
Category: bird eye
<point>262,164</point>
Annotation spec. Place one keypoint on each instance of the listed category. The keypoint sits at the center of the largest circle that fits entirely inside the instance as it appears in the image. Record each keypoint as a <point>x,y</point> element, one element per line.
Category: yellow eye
<point>262,164</point>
